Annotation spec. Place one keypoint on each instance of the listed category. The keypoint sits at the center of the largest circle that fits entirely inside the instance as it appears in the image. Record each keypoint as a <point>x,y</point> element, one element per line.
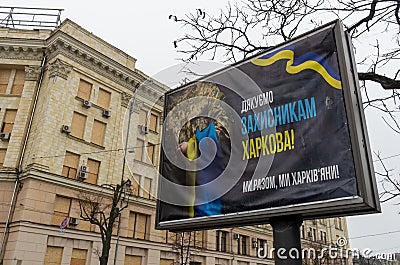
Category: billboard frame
<point>367,200</point>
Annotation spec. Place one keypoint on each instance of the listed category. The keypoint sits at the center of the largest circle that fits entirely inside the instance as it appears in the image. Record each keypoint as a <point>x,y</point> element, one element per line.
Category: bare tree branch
<point>367,18</point>
<point>385,82</point>
<point>103,211</point>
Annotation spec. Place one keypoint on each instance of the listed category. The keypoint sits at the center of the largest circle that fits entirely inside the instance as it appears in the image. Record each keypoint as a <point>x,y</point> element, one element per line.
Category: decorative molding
<point>32,73</point>
<point>21,52</point>
<point>125,99</point>
<point>65,45</point>
<point>59,68</point>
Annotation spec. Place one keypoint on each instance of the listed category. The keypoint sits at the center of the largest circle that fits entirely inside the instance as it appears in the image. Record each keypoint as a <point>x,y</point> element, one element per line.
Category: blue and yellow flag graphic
<point>310,60</point>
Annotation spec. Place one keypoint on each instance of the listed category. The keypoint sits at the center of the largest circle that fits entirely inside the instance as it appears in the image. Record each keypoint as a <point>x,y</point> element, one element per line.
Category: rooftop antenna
<point>30,17</point>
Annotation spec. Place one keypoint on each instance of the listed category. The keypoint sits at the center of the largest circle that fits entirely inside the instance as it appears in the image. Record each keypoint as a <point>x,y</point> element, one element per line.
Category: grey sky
<point>142,29</point>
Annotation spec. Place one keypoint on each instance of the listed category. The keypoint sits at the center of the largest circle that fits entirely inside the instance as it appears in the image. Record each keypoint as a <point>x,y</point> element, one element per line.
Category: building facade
<point>68,102</point>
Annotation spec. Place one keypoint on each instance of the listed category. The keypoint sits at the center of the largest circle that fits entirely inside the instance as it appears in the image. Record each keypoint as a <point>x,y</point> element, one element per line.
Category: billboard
<point>281,133</point>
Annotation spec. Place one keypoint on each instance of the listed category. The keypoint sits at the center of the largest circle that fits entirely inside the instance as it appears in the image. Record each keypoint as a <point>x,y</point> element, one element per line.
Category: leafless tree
<point>390,185</point>
<point>103,212</point>
<point>244,28</point>
<point>186,244</point>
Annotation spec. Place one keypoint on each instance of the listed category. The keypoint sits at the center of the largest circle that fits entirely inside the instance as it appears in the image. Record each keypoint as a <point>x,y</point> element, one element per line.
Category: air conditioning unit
<point>83,173</point>
<point>144,129</point>
<point>73,221</point>
<point>86,104</point>
<point>5,136</point>
<point>66,129</point>
<point>236,236</point>
<point>84,168</point>
<point>254,244</point>
<point>106,113</point>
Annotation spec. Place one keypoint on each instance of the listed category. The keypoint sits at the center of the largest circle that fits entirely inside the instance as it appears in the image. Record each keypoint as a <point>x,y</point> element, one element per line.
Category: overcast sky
<point>142,29</point>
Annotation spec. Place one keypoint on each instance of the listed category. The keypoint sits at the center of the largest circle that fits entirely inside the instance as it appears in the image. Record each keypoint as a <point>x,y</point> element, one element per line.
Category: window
<point>84,90</point>
<point>93,171</point>
<point>223,241</point>
<point>2,156</point>
<point>78,125</point>
<point>196,239</point>
<point>323,236</point>
<point>314,234</point>
<point>302,231</point>
<point>139,149</point>
<point>146,188</point>
<point>62,207</point>
<point>150,153</point>
<point>217,241</point>
<point>8,121</point>
<point>220,241</point>
<point>104,98</point>
<point>262,245</point>
<point>199,239</point>
<point>133,260</point>
<point>338,223</point>
<point>153,122</point>
<point>4,79</point>
<point>167,262</point>
<point>53,255</point>
<point>244,240</point>
<point>139,225</point>
<point>168,237</point>
<point>19,81</point>
<point>71,163</point>
<point>98,132</point>
<point>78,256</point>
<point>135,185</point>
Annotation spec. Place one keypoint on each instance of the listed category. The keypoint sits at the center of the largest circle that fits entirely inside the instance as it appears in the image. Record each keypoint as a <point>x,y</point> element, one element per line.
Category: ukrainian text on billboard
<point>269,132</point>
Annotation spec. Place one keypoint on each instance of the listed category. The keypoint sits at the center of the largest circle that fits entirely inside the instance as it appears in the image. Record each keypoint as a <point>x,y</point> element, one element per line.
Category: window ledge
<point>144,163</point>
<point>85,142</point>
<point>11,95</point>
<point>92,103</point>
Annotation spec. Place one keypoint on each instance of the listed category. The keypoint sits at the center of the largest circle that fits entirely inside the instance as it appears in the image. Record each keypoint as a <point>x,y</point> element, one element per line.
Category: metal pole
<point>287,244</point>
<point>122,177</point>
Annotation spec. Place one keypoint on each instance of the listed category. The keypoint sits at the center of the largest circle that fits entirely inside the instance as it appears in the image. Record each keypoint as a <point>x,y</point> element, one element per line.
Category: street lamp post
<point>125,184</point>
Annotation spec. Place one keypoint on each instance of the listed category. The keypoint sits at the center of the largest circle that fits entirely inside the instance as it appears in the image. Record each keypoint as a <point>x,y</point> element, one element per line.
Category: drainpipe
<point>17,184</point>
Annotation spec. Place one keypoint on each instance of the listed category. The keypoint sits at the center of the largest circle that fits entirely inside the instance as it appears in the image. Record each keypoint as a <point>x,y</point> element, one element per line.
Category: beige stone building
<point>64,103</point>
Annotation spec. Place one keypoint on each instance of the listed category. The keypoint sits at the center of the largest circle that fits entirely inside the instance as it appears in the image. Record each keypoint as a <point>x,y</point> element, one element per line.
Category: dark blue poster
<point>266,133</point>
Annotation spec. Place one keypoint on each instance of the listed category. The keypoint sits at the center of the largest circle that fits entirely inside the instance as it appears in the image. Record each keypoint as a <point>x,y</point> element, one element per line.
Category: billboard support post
<point>286,236</point>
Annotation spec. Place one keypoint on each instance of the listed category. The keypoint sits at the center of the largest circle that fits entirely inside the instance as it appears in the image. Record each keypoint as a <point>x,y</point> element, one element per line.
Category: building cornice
<point>61,43</point>
<point>66,45</point>
<point>20,51</point>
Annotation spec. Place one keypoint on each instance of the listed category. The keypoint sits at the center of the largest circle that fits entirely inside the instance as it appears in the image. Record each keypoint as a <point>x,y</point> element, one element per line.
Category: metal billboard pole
<point>286,236</point>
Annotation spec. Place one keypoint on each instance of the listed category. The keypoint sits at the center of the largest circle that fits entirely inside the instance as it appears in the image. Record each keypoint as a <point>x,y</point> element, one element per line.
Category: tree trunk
<point>106,249</point>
